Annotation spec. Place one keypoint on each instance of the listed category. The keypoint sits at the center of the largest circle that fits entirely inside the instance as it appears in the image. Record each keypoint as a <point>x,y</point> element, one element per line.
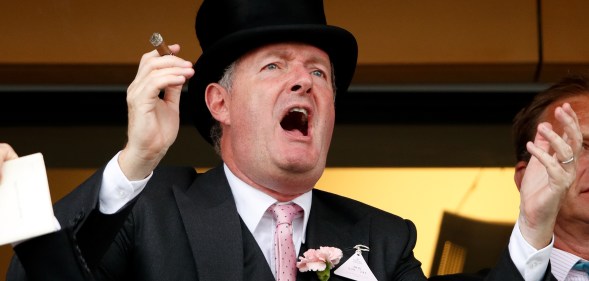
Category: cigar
<point>158,42</point>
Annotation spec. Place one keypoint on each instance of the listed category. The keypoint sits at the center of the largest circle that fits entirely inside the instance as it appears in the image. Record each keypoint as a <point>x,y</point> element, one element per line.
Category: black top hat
<point>227,29</point>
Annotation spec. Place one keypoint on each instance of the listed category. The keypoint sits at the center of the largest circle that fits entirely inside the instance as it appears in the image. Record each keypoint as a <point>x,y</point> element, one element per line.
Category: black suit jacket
<point>186,227</point>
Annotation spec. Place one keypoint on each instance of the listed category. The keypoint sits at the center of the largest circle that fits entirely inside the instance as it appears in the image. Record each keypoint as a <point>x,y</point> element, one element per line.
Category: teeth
<point>296,119</point>
<point>300,110</point>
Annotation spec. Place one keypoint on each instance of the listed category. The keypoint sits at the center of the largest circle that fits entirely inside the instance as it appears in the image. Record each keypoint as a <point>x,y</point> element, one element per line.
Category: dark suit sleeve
<point>76,252</point>
<point>409,267</point>
<point>392,242</point>
<point>47,257</point>
<point>63,255</point>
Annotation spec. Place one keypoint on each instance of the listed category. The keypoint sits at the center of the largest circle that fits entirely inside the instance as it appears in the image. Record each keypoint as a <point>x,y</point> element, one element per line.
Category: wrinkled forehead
<point>288,51</point>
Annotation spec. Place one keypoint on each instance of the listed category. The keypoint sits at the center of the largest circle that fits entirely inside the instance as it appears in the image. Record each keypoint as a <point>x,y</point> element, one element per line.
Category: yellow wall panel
<point>389,32</point>
<point>422,195</point>
<point>93,32</point>
<point>430,31</point>
<point>566,33</point>
<point>565,37</point>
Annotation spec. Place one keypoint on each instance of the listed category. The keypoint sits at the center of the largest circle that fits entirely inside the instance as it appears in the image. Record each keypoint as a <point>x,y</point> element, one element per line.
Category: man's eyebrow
<point>279,53</point>
<point>287,54</point>
<point>320,60</point>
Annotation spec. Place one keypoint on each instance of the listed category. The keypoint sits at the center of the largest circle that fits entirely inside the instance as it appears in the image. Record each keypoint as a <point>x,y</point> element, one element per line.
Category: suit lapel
<point>213,226</point>
<point>328,227</point>
<point>255,264</point>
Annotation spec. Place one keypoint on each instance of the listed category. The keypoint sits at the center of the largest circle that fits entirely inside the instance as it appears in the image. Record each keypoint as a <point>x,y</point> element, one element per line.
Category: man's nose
<point>302,82</point>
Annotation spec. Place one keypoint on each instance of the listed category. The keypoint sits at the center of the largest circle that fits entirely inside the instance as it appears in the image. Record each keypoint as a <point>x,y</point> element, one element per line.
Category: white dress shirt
<point>252,206</point>
<point>530,262</point>
<point>562,266</point>
<point>117,190</point>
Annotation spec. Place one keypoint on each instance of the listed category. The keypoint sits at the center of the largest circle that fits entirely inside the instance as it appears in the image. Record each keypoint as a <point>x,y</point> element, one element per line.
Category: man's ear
<point>217,99</point>
<point>520,170</point>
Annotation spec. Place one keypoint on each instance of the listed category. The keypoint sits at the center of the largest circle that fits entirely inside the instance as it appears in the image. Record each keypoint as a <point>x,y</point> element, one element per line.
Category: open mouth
<point>296,120</point>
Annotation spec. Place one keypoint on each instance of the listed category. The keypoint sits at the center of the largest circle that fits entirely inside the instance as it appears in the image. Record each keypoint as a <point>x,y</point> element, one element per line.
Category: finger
<point>172,95</point>
<point>157,63</point>
<point>173,71</point>
<point>567,108</point>
<point>553,167</point>
<point>541,146</point>
<point>562,150</point>
<point>6,153</point>
<point>146,66</point>
<point>159,80</point>
<point>544,157</point>
<point>150,86</point>
<point>172,92</point>
<point>175,48</point>
<point>570,122</point>
<point>540,139</point>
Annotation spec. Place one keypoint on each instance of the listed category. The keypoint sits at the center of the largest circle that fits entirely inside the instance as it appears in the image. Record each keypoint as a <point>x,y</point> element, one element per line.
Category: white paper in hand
<point>25,203</point>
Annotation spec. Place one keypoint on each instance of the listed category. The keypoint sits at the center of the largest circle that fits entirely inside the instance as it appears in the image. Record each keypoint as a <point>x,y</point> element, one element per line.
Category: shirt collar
<point>252,203</point>
<point>562,262</point>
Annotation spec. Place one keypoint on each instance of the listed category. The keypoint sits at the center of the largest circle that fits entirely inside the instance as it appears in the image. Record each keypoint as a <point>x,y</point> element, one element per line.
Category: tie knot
<point>582,265</point>
<point>285,213</point>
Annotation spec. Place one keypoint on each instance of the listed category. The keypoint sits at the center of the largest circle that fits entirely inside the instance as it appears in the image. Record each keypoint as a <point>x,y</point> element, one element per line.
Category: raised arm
<point>549,174</point>
<point>153,121</point>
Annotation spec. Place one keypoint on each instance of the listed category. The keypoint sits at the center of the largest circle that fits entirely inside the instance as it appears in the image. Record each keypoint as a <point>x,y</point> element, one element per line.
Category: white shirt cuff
<point>531,263</point>
<point>116,190</point>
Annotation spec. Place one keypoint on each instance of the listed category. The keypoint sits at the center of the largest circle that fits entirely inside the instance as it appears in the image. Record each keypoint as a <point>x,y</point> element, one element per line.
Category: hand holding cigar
<point>158,42</point>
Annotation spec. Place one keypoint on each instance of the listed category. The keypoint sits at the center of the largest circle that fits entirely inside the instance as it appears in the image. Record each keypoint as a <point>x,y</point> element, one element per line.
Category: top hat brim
<point>338,43</point>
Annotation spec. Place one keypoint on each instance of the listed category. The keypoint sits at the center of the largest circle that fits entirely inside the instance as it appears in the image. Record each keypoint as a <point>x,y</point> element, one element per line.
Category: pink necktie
<point>285,252</point>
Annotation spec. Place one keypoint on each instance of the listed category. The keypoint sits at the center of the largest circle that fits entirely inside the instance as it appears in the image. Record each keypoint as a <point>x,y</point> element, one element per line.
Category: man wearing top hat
<point>263,91</point>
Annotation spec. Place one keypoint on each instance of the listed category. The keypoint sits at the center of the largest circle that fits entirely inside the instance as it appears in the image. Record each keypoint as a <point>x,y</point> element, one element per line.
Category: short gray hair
<point>226,82</point>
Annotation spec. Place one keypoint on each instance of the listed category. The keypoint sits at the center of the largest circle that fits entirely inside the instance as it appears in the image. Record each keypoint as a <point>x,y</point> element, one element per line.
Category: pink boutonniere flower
<point>320,260</point>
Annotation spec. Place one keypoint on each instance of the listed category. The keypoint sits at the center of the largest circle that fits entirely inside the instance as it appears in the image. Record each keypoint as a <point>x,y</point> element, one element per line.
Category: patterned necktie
<point>285,256</point>
<point>582,265</point>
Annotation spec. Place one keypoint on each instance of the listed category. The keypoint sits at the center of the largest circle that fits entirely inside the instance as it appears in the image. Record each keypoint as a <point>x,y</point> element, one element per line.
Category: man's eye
<point>271,66</point>
<point>318,73</point>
